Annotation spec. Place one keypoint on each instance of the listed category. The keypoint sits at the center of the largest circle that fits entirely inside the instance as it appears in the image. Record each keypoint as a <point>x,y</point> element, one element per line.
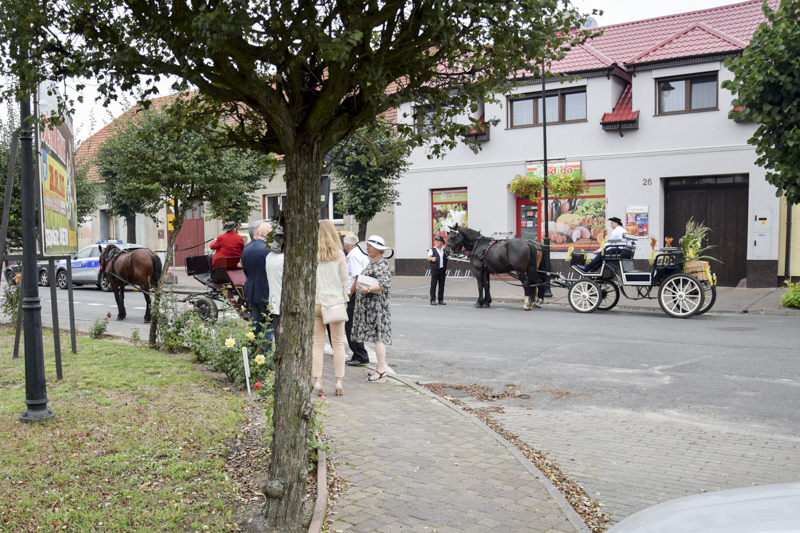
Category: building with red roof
<point>645,122</point>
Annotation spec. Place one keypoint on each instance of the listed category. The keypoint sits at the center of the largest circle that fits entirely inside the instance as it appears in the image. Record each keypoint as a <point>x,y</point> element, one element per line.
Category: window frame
<point>332,207</point>
<point>535,96</point>
<point>266,198</point>
<point>690,79</point>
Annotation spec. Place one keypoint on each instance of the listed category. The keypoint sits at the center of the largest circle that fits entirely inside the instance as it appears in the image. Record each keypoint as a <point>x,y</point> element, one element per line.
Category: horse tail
<point>154,279</point>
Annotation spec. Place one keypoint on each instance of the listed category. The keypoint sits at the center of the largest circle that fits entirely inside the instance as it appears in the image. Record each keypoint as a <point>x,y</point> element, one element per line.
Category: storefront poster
<point>636,220</point>
<point>448,208</point>
<point>59,217</point>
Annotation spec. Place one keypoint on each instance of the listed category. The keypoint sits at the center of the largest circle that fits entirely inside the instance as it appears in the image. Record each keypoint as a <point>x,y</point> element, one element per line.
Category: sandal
<point>376,377</point>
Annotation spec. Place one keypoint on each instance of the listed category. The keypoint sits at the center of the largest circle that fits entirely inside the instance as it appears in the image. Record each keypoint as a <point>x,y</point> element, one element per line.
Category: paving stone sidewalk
<point>629,461</point>
<point>412,463</point>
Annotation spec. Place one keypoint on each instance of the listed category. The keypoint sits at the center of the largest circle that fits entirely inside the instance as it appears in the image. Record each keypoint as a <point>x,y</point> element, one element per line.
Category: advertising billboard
<point>56,162</point>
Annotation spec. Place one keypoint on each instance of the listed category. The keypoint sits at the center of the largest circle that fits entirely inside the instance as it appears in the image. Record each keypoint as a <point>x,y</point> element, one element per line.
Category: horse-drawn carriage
<point>225,282</point>
<point>679,294</point>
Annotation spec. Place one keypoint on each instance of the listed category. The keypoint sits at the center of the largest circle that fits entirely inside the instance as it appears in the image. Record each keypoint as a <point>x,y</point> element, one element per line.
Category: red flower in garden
<point>258,385</point>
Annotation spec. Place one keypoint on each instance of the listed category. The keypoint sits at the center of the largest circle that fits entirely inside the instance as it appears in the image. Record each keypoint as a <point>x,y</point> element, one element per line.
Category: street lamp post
<point>35,385</point>
<point>547,292</point>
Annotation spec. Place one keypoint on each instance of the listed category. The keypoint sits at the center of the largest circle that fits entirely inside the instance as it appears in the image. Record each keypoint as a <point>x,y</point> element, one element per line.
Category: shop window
<point>684,95</point>
<point>563,106</point>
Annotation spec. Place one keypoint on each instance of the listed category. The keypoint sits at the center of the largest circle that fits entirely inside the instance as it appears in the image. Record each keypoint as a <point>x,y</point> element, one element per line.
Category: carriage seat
<point>620,252</point>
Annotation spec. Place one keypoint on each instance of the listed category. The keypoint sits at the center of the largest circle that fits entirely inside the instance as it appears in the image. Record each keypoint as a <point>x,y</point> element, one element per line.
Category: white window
<point>273,203</point>
<point>334,214</point>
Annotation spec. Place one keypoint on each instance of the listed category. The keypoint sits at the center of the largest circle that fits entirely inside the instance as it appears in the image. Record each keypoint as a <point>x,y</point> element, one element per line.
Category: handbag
<point>332,314</point>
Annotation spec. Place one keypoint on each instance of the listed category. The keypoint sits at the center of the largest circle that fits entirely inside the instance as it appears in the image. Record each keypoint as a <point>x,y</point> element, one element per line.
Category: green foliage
<point>154,157</point>
<point>566,185</point>
<point>792,296</point>
<point>14,233</point>
<point>525,187</point>
<point>692,242</point>
<point>87,193</point>
<point>10,303</point>
<point>172,319</point>
<point>366,170</point>
<point>99,328</point>
<point>765,85</point>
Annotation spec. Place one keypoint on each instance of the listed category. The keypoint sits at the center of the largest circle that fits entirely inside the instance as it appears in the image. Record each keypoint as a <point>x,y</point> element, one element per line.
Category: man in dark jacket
<point>438,262</point>
<point>256,288</point>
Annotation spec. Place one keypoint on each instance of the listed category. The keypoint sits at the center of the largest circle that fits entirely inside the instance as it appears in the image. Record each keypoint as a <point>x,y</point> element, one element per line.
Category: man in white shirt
<point>615,240</point>
<point>438,262</point>
<point>357,261</point>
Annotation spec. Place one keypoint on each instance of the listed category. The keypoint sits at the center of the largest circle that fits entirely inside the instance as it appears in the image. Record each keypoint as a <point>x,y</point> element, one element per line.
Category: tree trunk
<point>362,231</point>
<point>177,222</point>
<point>130,226</point>
<point>293,408</point>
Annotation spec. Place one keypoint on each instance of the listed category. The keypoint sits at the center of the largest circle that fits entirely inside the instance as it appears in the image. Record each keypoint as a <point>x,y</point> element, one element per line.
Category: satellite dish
<point>591,22</point>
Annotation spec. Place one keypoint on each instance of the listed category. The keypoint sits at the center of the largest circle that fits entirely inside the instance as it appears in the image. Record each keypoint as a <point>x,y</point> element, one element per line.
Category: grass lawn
<point>137,444</point>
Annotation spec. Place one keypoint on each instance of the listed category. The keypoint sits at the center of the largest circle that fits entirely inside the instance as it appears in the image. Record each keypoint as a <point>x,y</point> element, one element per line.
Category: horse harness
<point>481,256</point>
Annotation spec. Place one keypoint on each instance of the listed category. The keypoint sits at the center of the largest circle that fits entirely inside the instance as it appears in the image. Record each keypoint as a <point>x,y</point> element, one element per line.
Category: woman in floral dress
<point>372,319</point>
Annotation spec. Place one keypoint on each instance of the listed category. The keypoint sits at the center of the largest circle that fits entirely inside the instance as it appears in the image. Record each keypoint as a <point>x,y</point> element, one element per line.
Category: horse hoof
<point>478,305</point>
<point>526,308</point>
<point>486,306</point>
<point>146,320</point>
<point>120,317</point>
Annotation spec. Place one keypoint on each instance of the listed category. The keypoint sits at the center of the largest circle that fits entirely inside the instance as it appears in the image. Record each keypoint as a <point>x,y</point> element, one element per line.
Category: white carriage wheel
<point>681,296</point>
<point>584,296</point>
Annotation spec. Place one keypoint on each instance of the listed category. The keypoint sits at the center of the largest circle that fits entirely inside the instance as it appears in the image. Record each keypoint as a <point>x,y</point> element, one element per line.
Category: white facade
<point>634,165</point>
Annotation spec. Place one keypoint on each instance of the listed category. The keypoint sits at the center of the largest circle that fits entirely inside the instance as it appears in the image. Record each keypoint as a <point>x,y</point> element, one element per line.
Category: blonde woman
<point>333,286</point>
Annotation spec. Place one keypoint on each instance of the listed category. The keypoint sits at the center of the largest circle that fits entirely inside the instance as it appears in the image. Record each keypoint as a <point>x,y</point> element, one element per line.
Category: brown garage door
<point>720,202</point>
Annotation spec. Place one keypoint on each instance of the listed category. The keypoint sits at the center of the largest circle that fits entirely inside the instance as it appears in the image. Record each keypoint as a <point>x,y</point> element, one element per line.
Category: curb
<point>321,505</point>
<point>570,513</point>
<point>777,312</point>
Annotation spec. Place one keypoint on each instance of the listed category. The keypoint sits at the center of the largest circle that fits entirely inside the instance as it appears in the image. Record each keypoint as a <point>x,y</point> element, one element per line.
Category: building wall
<point>691,144</point>
<point>382,224</point>
<point>794,247</point>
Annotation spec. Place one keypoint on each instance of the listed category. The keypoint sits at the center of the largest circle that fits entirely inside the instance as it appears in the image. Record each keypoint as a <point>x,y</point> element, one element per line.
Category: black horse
<point>139,268</point>
<point>488,256</point>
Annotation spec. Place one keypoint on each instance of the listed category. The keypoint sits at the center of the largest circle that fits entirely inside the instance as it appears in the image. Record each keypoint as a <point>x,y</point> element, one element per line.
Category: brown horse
<point>139,268</point>
<point>488,256</point>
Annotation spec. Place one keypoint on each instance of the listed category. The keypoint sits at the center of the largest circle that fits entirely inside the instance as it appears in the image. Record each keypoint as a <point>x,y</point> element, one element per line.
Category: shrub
<point>172,318</point>
<point>11,301</point>
<point>99,327</point>
<point>792,296</point>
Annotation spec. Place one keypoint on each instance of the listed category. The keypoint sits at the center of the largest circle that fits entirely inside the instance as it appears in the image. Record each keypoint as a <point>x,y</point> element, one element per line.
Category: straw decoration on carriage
<point>653,242</point>
<point>601,238</point>
<point>569,253</point>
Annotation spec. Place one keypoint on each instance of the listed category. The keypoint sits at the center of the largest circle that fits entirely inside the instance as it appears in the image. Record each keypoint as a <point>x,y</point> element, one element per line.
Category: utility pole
<point>547,292</point>
<point>35,385</point>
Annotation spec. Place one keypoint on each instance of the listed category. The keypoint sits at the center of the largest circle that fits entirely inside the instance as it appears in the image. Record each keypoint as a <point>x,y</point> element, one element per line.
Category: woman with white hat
<point>372,319</point>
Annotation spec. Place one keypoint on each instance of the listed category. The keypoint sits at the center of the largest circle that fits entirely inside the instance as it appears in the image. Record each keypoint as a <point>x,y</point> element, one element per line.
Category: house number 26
<point>647,181</point>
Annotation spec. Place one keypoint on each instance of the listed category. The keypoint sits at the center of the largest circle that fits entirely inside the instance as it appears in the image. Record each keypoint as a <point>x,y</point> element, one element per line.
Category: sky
<point>91,116</point>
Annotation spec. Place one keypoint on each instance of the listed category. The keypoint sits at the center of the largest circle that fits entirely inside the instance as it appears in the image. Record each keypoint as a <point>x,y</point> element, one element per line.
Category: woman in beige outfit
<point>332,289</point>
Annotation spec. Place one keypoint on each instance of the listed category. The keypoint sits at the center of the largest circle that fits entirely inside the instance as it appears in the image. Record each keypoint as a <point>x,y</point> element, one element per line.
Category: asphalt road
<point>737,370</point>
<point>637,407</point>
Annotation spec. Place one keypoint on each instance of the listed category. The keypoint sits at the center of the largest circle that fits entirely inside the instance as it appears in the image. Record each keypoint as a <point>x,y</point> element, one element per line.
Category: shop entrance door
<point>719,202</point>
<point>527,227</point>
<point>192,237</point>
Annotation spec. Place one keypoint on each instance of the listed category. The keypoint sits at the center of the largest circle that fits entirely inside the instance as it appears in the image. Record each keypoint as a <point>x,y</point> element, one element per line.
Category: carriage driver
<point>228,244</point>
<point>615,240</point>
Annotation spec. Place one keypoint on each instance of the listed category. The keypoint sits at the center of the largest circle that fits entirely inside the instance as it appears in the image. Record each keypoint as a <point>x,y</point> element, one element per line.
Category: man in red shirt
<point>229,244</point>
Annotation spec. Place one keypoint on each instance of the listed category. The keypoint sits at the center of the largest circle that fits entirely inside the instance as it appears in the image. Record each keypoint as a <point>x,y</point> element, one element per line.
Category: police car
<point>86,265</point>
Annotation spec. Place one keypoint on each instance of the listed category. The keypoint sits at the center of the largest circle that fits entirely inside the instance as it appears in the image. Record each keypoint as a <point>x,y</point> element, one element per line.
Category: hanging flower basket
<point>525,187</point>
<point>566,185</point>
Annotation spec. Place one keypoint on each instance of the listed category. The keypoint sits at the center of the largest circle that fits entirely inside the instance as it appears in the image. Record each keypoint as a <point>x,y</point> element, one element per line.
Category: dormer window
<point>687,94</point>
